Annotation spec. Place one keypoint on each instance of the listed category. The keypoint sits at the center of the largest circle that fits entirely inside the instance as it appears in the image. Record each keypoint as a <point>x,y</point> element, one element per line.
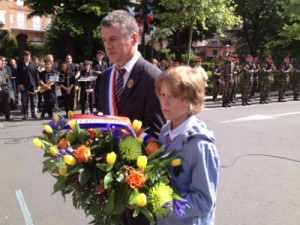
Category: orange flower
<point>63,143</point>
<point>92,133</point>
<point>151,147</point>
<point>135,179</point>
<point>82,153</point>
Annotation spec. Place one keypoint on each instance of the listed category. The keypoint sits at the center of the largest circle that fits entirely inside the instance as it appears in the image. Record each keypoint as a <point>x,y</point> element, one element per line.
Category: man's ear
<point>135,38</point>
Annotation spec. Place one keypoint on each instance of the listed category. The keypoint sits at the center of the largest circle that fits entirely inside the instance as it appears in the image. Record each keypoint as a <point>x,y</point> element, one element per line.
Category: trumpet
<point>41,89</point>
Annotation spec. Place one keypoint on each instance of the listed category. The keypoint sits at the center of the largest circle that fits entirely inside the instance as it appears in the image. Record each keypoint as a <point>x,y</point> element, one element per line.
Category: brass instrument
<point>41,89</point>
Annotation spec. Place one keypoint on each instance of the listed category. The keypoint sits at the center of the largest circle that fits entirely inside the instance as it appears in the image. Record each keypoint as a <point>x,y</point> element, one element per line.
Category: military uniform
<point>236,81</point>
<point>296,83</point>
<point>285,69</point>
<point>216,82</point>
<point>248,71</point>
<point>5,87</point>
<point>227,71</point>
<point>255,80</point>
<point>267,69</point>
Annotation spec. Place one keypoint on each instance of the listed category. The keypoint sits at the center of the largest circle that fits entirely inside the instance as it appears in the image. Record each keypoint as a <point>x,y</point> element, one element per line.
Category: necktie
<point>119,84</point>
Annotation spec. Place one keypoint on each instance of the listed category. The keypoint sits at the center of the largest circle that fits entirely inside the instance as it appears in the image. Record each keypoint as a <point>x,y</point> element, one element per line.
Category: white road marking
<point>24,208</point>
<point>260,117</point>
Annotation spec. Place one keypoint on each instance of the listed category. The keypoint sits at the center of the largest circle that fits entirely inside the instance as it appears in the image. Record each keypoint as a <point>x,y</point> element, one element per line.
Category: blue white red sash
<point>111,104</point>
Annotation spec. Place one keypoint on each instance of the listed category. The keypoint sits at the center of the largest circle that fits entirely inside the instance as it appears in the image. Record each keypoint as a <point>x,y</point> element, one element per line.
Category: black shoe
<point>224,105</point>
<point>34,116</point>
<point>228,105</point>
<point>7,118</point>
<point>25,116</point>
<point>243,103</point>
<point>43,116</point>
<point>247,103</point>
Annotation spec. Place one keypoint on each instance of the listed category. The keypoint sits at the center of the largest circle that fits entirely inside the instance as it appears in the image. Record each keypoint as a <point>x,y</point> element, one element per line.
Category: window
<point>20,20</point>
<point>2,16</point>
<point>215,52</point>
<point>20,3</point>
<point>36,23</point>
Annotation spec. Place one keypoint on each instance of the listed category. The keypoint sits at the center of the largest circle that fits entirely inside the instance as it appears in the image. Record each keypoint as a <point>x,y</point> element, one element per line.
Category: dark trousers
<point>69,101</point>
<point>26,99</point>
<point>49,99</point>
<point>128,218</point>
<point>5,102</point>
<point>86,98</point>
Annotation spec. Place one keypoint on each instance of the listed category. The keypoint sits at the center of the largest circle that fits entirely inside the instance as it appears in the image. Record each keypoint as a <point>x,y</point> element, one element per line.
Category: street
<point>259,148</point>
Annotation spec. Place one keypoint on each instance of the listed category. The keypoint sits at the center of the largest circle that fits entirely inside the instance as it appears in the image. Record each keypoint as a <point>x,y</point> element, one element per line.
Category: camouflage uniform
<point>248,69</point>
<point>236,81</point>
<point>267,68</point>
<point>255,79</point>
<point>227,71</point>
<point>296,83</point>
<point>286,68</point>
<point>216,82</point>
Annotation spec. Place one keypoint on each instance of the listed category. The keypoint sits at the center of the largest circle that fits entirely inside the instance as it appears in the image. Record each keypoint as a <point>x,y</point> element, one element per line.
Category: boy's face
<point>174,108</point>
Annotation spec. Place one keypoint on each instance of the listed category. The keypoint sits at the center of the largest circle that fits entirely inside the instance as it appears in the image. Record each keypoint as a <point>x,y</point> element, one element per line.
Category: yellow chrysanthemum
<point>158,196</point>
<point>130,148</point>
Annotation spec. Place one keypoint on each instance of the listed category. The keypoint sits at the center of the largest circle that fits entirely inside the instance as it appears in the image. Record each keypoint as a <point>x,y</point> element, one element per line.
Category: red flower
<point>83,153</point>
<point>151,147</point>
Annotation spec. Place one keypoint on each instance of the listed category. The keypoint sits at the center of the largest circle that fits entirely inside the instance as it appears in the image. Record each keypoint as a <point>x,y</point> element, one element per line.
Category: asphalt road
<point>259,148</point>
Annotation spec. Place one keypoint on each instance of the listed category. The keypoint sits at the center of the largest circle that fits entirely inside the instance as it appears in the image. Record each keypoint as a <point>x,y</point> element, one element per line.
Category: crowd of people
<point>42,85</point>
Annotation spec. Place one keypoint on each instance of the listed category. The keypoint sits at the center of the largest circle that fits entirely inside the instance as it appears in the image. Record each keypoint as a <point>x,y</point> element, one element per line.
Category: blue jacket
<point>197,181</point>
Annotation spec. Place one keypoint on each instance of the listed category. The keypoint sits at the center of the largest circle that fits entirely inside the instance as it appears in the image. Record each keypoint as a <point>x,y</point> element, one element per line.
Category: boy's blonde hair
<point>185,83</point>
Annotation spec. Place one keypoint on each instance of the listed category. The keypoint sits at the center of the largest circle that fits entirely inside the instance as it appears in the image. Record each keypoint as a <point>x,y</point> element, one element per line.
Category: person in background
<point>99,65</point>
<point>286,69</point>
<point>267,68</point>
<point>248,71</point>
<point>28,81</point>
<point>5,88</point>
<point>87,96</point>
<point>15,88</point>
<point>127,88</point>
<point>199,67</point>
<point>41,68</point>
<point>296,83</point>
<point>216,81</point>
<point>67,85</point>
<point>181,91</point>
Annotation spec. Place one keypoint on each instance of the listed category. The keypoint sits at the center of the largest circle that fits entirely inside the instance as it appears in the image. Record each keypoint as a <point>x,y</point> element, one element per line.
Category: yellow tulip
<point>176,162</point>
<point>62,170</point>
<point>140,140</point>
<point>56,118</point>
<point>70,114</point>
<point>54,150</point>
<point>37,142</point>
<point>142,161</point>
<point>72,124</point>
<point>48,129</point>
<point>111,158</point>
<point>137,125</point>
<point>141,199</point>
<point>69,160</point>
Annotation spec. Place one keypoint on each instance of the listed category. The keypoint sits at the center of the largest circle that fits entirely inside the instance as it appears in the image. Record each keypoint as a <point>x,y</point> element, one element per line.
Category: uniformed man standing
<point>285,69</point>
<point>5,87</point>
<point>236,79</point>
<point>296,83</point>
<point>255,78</point>
<point>267,68</point>
<point>248,68</point>
<point>227,71</point>
<point>216,81</point>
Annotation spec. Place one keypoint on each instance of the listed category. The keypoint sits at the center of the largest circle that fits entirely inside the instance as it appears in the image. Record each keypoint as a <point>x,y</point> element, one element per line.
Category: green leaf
<point>108,180</point>
<point>105,167</point>
<point>132,198</point>
<point>147,213</point>
<point>84,176</point>
<point>109,207</point>
<point>136,212</point>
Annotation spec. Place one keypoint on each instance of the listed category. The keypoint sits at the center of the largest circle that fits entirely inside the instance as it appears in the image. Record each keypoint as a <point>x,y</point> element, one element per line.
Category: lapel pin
<point>130,83</point>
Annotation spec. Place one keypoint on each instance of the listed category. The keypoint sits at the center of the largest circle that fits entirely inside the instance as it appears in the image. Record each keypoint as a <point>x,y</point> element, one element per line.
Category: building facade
<point>14,17</point>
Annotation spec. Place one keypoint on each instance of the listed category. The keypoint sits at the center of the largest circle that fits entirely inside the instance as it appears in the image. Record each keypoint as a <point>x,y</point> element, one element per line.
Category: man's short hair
<point>26,53</point>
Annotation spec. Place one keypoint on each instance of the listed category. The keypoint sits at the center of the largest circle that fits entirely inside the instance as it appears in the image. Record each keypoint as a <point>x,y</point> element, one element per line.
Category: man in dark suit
<point>99,65</point>
<point>127,88</point>
<point>138,99</point>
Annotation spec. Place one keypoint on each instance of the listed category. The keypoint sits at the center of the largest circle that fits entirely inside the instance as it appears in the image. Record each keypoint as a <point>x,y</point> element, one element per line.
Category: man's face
<point>69,59</point>
<point>99,56</point>
<point>119,47</point>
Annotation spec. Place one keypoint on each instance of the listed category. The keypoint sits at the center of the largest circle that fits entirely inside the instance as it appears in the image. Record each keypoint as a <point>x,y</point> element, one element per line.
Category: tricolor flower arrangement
<point>106,165</point>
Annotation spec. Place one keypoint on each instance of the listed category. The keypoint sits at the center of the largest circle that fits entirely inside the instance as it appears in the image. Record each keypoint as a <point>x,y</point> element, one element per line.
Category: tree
<point>291,29</point>
<point>261,23</point>
<point>188,14</point>
<point>8,44</point>
<point>79,15</point>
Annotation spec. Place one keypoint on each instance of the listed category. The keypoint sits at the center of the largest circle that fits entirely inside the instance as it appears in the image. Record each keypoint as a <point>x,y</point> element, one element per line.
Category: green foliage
<point>8,44</point>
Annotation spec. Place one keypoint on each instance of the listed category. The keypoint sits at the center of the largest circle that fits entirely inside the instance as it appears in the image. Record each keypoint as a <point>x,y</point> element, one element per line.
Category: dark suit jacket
<point>139,101</point>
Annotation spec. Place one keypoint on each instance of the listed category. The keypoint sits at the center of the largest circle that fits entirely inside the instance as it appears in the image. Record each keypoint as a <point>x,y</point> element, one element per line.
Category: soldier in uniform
<point>5,88</point>
<point>248,68</point>
<point>227,71</point>
<point>216,81</point>
<point>285,69</point>
<point>236,79</point>
<point>267,69</point>
<point>255,79</point>
<point>296,83</point>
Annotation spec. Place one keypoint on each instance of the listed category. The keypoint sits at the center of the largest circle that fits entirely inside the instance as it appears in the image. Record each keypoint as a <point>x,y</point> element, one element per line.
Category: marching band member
<point>28,81</point>
<point>67,85</point>
<point>47,88</point>
<point>87,95</point>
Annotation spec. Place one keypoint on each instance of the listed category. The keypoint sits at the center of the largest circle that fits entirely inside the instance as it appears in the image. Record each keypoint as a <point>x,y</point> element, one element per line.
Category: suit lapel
<point>132,81</point>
